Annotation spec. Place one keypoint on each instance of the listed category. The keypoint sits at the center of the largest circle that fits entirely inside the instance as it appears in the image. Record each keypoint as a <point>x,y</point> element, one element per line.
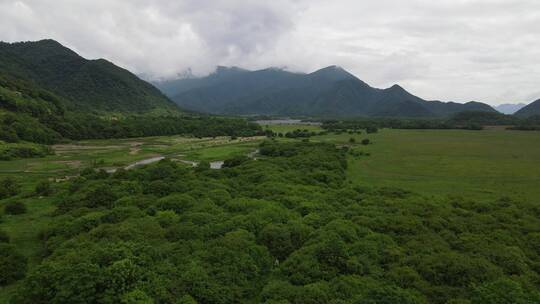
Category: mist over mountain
<point>509,108</point>
<point>84,84</point>
<point>328,92</point>
<point>530,110</point>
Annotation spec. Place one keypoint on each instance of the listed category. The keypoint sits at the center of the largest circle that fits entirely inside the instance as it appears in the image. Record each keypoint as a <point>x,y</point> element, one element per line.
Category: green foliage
<point>30,113</point>
<point>44,188</point>
<point>84,84</point>
<point>235,161</point>
<point>23,150</point>
<point>12,264</point>
<point>14,208</point>
<point>4,237</point>
<point>286,228</point>
<point>8,187</point>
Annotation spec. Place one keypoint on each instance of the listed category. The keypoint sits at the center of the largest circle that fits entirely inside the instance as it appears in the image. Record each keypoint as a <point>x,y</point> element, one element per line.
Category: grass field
<point>473,164</point>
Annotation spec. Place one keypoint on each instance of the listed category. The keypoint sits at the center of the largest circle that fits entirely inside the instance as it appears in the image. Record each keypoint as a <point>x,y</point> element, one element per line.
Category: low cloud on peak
<point>482,50</point>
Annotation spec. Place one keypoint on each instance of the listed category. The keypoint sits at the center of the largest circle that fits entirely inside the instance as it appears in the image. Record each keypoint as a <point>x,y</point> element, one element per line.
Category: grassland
<point>473,164</point>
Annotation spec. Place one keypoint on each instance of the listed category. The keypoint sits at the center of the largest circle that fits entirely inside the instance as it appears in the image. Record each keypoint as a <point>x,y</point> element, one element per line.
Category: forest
<point>287,227</point>
<point>31,114</point>
<point>467,120</point>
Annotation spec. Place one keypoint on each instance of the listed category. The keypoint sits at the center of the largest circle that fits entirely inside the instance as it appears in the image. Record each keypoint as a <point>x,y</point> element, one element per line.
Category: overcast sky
<point>460,50</point>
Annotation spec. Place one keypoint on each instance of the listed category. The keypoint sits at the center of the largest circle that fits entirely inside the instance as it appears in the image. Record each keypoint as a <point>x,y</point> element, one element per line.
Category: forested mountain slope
<point>530,110</point>
<point>29,113</point>
<point>84,84</point>
<point>329,92</point>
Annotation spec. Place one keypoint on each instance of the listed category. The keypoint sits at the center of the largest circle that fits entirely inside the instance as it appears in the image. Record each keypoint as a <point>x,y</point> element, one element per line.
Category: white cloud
<point>460,50</point>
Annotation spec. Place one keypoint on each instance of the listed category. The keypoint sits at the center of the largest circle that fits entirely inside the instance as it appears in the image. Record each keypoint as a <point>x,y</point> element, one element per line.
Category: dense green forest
<point>86,85</point>
<point>30,113</point>
<point>285,228</point>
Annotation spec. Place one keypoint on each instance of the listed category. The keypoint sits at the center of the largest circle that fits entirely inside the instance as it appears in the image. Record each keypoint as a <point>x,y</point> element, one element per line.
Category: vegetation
<point>8,187</point>
<point>9,151</point>
<point>31,114</point>
<point>470,164</point>
<point>85,85</point>
<point>468,120</point>
<point>14,208</point>
<point>287,228</point>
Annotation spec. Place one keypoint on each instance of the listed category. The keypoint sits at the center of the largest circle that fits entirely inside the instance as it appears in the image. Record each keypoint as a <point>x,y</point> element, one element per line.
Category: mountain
<point>329,92</point>
<point>530,110</point>
<point>509,108</point>
<point>84,84</point>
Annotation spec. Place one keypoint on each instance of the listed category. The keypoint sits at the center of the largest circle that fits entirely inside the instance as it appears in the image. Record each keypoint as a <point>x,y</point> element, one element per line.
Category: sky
<point>451,50</point>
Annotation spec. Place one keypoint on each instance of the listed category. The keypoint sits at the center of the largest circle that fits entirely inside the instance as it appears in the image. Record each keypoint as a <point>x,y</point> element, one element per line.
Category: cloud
<point>463,50</point>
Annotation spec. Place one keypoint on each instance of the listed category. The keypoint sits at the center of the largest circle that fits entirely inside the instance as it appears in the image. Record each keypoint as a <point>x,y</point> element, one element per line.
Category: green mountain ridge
<point>85,84</point>
<point>328,92</point>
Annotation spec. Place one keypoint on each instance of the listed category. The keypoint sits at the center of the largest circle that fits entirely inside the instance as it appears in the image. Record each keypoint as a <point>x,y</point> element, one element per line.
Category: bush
<point>4,237</point>
<point>370,130</point>
<point>15,208</point>
<point>8,187</point>
<point>12,264</point>
<point>235,161</point>
<point>365,142</point>
<point>44,188</point>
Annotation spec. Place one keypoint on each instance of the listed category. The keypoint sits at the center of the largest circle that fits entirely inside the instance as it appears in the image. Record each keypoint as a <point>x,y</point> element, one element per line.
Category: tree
<point>8,187</point>
<point>12,264</point>
<point>44,188</point>
<point>15,208</point>
<point>502,291</point>
<point>370,130</point>
<point>4,237</point>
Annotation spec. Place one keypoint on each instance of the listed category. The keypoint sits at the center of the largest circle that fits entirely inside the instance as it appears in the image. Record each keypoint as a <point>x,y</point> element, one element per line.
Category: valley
<point>215,190</point>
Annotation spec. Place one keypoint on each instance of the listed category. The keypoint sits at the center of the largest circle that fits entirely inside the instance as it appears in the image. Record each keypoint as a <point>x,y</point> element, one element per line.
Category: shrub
<point>12,264</point>
<point>4,237</point>
<point>8,187</point>
<point>370,130</point>
<point>365,142</point>
<point>44,188</point>
<point>235,161</point>
<point>15,208</point>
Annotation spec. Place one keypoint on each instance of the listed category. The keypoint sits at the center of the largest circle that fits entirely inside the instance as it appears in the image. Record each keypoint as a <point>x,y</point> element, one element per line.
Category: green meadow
<point>474,164</point>
<point>485,164</point>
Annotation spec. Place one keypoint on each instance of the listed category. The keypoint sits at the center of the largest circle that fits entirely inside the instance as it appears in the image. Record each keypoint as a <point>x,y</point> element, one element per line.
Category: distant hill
<point>509,108</point>
<point>84,84</point>
<point>328,92</point>
<point>530,110</point>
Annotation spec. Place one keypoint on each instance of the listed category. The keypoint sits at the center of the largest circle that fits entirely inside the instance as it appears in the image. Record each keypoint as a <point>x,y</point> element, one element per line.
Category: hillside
<point>530,110</point>
<point>329,92</point>
<point>84,84</point>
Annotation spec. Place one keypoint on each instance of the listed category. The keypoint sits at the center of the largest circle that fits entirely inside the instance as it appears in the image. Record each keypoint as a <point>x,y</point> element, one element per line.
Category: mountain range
<point>531,109</point>
<point>328,92</point>
<point>84,84</point>
<point>98,85</point>
<point>509,108</point>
